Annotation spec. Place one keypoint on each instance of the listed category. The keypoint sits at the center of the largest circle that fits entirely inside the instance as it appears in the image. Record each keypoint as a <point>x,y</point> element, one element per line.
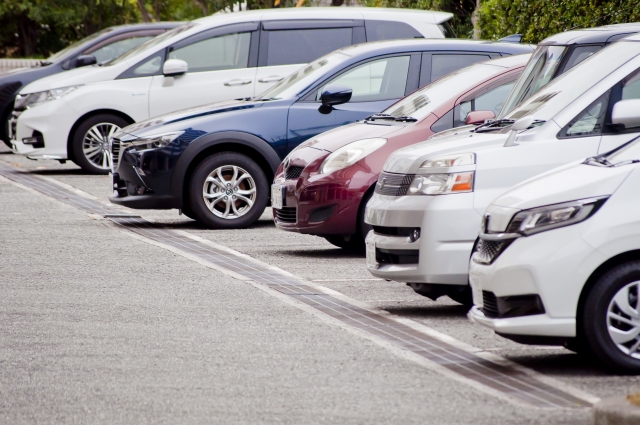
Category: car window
<point>287,47</point>
<point>149,67</point>
<point>490,101</point>
<point>631,86</point>
<point>589,122</point>
<point>442,65</point>
<point>113,50</point>
<point>382,79</point>
<point>579,54</point>
<point>389,30</point>
<point>228,51</point>
<point>59,55</point>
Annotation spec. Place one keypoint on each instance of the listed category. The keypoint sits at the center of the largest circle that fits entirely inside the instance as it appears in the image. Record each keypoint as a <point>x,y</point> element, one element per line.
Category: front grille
<point>397,256</point>
<point>490,304</point>
<point>393,231</point>
<point>293,172</point>
<point>286,214</point>
<point>393,184</point>
<point>115,153</point>
<point>487,251</point>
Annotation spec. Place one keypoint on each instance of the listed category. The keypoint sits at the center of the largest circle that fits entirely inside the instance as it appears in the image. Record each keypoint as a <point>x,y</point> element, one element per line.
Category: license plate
<point>277,196</point>
<point>371,255</point>
<point>476,290</point>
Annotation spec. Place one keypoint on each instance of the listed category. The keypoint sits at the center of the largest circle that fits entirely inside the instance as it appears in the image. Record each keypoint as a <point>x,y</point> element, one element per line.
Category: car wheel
<point>349,243</point>
<point>90,142</point>
<point>462,295</point>
<point>5,126</point>
<point>611,318</point>
<point>186,211</point>
<point>228,190</point>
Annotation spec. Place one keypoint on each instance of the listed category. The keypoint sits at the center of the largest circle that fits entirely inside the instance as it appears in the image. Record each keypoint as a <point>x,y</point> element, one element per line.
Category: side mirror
<point>479,117</point>
<point>84,60</point>
<point>173,67</point>
<point>521,124</point>
<point>334,95</point>
<point>626,113</point>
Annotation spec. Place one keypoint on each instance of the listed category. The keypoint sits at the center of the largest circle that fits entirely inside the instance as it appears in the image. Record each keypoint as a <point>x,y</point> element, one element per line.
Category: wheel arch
<point>603,268</point>
<point>89,115</point>
<point>363,205</point>
<point>247,144</point>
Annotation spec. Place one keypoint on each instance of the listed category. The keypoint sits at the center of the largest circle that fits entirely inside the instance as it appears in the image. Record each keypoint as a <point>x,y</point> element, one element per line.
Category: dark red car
<point>323,185</point>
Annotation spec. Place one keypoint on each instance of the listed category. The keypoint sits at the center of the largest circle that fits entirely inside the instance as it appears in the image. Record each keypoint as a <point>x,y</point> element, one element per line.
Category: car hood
<point>73,77</point>
<point>408,160</point>
<point>563,184</point>
<point>334,139</point>
<point>176,120</point>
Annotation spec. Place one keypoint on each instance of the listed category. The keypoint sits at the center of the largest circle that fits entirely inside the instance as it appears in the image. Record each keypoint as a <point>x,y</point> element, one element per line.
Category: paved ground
<point>99,327</point>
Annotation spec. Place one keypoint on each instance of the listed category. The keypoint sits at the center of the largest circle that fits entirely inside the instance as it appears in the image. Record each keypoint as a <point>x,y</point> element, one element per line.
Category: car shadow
<point>428,311</point>
<point>335,253</point>
<point>189,224</point>
<point>562,364</point>
<point>61,171</point>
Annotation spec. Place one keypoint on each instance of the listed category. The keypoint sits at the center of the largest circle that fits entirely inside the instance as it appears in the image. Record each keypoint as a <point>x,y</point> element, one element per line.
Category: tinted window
<point>490,101</point>
<point>579,54</point>
<point>113,50</point>
<point>149,67</point>
<point>383,79</point>
<point>442,65</point>
<point>288,47</point>
<point>229,51</point>
<point>590,121</point>
<point>389,30</point>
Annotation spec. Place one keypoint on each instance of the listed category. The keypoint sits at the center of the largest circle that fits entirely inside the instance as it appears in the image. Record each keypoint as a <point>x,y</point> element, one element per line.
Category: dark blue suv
<point>215,162</point>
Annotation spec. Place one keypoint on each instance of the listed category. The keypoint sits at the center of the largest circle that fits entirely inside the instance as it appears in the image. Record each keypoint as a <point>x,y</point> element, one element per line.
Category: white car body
<point>103,89</point>
<point>449,223</point>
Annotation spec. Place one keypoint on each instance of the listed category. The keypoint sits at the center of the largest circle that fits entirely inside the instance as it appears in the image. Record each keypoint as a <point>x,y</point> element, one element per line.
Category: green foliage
<point>461,9</point>
<point>538,19</point>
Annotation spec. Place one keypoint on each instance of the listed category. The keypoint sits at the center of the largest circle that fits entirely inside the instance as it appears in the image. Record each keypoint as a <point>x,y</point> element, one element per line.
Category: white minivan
<point>221,57</point>
<point>444,185</point>
<point>558,261</point>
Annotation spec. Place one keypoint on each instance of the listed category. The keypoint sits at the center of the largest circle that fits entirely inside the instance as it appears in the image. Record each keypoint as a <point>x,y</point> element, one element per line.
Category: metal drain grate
<point>508,381</point>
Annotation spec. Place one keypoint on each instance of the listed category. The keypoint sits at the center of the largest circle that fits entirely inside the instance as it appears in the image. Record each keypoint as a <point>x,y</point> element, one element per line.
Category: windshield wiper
<point>405,118</point>
<point>44,63</point>
<point>598,160</point>
<point>494,125</point>
<point>374,117</point>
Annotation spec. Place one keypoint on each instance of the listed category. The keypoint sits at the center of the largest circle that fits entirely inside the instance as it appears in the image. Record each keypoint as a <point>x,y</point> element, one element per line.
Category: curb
<point>616,411</point>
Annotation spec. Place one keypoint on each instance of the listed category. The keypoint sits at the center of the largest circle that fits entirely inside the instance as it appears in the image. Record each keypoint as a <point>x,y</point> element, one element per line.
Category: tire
<point>186,211</point>
<point>5,126</point>
<point>614,293</point>
<point>90,142</point>
<point>364,228</point>
<point>219,211</point>
<point>349,243</point>
<point>462,296</point>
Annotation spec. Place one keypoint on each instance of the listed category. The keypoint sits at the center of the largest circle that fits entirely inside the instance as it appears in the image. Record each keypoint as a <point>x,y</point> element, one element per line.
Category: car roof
<point>435,44</point>
<point>118,29</point>
<point>592,35</point>
<point>291,13</point>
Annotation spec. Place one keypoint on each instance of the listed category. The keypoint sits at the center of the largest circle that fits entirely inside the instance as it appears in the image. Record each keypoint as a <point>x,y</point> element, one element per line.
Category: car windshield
<point>537,74</point>
<point>77,45</point>
<point>151,43</point>
<point>422,102</point>
<point>301,79</point>
<point>566,88</point>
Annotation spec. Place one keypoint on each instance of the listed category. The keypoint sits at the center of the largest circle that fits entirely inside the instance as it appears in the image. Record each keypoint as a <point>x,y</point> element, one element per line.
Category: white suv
<point>558,260</point>
<point>222,57</point>
<point>434,193</point>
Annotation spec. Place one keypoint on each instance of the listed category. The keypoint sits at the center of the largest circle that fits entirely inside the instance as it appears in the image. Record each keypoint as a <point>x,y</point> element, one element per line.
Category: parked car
<point>328,180</point>
<point>221,57</point>
<point>216,162</point>
<point>97,48</point>
<point>557,262</point>
<point>443,185</point>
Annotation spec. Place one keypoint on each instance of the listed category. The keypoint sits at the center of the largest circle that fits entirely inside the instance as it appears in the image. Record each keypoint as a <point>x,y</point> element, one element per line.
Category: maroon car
<point>323,185</point>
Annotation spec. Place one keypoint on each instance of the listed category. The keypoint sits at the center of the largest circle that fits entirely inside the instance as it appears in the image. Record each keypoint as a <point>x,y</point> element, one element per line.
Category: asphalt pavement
<point>98,326</point>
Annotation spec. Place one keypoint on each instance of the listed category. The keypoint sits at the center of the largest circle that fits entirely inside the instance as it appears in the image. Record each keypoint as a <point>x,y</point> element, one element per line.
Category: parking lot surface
<point>100,326</point>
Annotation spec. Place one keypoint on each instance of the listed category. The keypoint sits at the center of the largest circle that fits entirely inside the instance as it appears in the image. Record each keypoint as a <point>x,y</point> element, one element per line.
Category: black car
<point>215,162</point>
<point>97,48</point>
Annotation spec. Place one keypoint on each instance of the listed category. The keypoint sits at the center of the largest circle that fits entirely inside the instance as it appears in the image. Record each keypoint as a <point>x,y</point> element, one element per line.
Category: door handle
<point>237,82</point>
<point>270,79</point>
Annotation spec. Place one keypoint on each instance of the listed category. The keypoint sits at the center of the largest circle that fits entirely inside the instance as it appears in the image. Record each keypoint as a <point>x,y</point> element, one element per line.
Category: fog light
<point>30,140</point>
<point>415,235</point>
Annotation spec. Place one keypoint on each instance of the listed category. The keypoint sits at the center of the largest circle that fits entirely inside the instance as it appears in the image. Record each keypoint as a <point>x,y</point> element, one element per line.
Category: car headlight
<point>350,154</point>
<point>441,184</point>
<point>25,101</point>
<point>156,141</point>
<point>536,220</point>
<point>451,160</point>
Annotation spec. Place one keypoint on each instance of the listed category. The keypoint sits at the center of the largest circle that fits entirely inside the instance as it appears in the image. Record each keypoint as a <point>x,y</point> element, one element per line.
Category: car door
<point>376,83</point>
<point>221,67</point>
<point>612,137</point>
<point>286,46</point>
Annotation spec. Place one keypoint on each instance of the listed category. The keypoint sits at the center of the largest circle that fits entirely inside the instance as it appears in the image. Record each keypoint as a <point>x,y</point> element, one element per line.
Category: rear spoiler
<point>513,38</point>
<point>440,17</point>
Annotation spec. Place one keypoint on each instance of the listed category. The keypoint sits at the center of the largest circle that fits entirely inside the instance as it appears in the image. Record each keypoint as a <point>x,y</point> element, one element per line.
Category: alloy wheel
<point>229,192</point>
<point>96,144</point>
<point>623,319</point>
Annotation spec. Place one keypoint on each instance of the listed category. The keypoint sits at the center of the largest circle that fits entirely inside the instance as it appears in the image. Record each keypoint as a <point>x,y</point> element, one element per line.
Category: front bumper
<point>448,228</point>
<point>552,265</point>
<point>52,120</point>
